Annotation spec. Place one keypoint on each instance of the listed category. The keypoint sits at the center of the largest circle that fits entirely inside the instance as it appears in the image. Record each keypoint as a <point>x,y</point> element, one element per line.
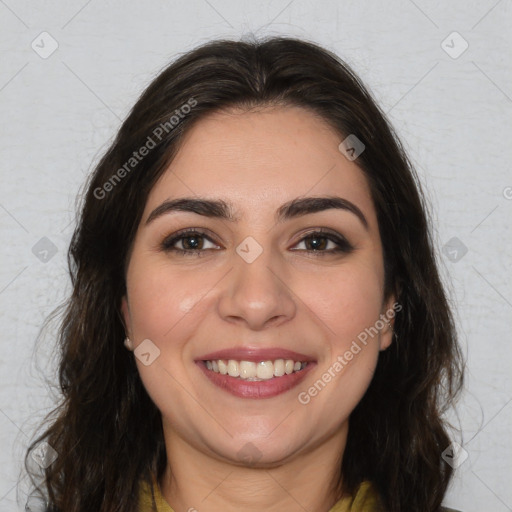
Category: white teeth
<point>265,370</point>
<point>279,367</point>
<point>223,367</point>
<point>233,368</point>
<point>249,370</point>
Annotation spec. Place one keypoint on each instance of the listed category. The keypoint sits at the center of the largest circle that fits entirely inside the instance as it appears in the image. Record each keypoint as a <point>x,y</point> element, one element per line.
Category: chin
<point>259,452</point>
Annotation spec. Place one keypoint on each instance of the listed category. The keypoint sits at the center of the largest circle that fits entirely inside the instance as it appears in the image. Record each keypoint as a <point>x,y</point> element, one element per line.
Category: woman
<point>257,237</point>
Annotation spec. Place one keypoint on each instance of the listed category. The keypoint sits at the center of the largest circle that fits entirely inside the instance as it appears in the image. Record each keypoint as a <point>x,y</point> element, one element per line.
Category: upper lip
<point>255,354</point>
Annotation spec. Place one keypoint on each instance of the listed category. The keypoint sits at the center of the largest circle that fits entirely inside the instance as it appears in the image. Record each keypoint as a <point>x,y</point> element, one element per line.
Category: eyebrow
<point>292,209</point>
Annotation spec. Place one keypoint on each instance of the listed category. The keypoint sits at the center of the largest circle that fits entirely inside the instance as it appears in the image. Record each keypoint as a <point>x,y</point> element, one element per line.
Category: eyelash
<point>343,245</point>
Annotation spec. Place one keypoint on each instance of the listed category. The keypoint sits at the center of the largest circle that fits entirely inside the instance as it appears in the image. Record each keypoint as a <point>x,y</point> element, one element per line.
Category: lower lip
<point>256,389</point>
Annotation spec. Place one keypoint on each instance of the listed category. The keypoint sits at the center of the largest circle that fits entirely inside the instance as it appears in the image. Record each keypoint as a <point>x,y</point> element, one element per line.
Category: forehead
<point>261,159</point>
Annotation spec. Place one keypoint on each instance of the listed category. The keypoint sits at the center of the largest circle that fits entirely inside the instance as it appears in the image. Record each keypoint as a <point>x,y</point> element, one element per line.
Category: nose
<point>257,294</point>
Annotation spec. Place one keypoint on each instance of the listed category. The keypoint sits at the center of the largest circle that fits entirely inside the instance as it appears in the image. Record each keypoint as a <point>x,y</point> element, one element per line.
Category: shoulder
<point>366,499</point>
<point>145,498</point>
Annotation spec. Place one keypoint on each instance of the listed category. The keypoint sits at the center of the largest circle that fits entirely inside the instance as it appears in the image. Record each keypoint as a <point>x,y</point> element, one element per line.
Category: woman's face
<point>257,287</point>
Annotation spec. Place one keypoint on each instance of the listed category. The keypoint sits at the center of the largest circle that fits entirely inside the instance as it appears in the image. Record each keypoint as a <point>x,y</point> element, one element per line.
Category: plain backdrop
<point>442,71</point>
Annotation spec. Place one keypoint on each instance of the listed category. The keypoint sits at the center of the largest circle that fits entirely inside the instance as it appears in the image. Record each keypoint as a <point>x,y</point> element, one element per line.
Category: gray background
<point>453,113</point>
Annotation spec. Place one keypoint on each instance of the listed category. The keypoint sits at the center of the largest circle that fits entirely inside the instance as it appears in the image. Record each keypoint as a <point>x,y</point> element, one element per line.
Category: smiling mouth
<point>255,371</point>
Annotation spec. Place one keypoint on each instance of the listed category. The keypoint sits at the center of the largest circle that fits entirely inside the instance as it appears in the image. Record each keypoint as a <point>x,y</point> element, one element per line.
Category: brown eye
<point>188,242</point>
<point>192,242</point>
<point>325,242</point>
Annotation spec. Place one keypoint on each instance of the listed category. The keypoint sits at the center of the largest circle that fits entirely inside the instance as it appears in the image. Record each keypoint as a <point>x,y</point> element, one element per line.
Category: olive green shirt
<point>365,500</point>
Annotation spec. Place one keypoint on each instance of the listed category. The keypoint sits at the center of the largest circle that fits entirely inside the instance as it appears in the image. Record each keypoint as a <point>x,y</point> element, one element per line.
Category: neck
<point>196,481</point>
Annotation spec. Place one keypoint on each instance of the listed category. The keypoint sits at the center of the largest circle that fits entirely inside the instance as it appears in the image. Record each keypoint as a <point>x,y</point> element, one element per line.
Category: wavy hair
<point>106,430</point>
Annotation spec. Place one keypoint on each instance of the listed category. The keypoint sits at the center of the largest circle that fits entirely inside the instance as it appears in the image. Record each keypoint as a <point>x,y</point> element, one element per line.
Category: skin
<point>190,305</point>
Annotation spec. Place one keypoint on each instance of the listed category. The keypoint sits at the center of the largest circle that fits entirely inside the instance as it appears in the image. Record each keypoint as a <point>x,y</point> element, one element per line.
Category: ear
<point>388,313</point>
<point>125,311</point>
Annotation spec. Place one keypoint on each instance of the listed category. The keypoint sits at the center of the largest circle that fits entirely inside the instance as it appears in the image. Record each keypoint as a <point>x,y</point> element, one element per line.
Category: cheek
<point>160,298</point>
<point>163,304</point>
<point>347,301</point>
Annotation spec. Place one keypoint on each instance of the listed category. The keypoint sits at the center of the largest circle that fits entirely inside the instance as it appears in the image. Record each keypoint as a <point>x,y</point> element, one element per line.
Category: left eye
<point>319,241</point>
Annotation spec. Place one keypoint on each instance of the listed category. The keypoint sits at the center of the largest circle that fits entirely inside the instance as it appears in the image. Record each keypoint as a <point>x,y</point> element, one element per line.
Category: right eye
<point>192,242</point>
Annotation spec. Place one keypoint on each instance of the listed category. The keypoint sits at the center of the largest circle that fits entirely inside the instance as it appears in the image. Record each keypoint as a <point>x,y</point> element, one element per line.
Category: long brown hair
<point>106,430</point>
